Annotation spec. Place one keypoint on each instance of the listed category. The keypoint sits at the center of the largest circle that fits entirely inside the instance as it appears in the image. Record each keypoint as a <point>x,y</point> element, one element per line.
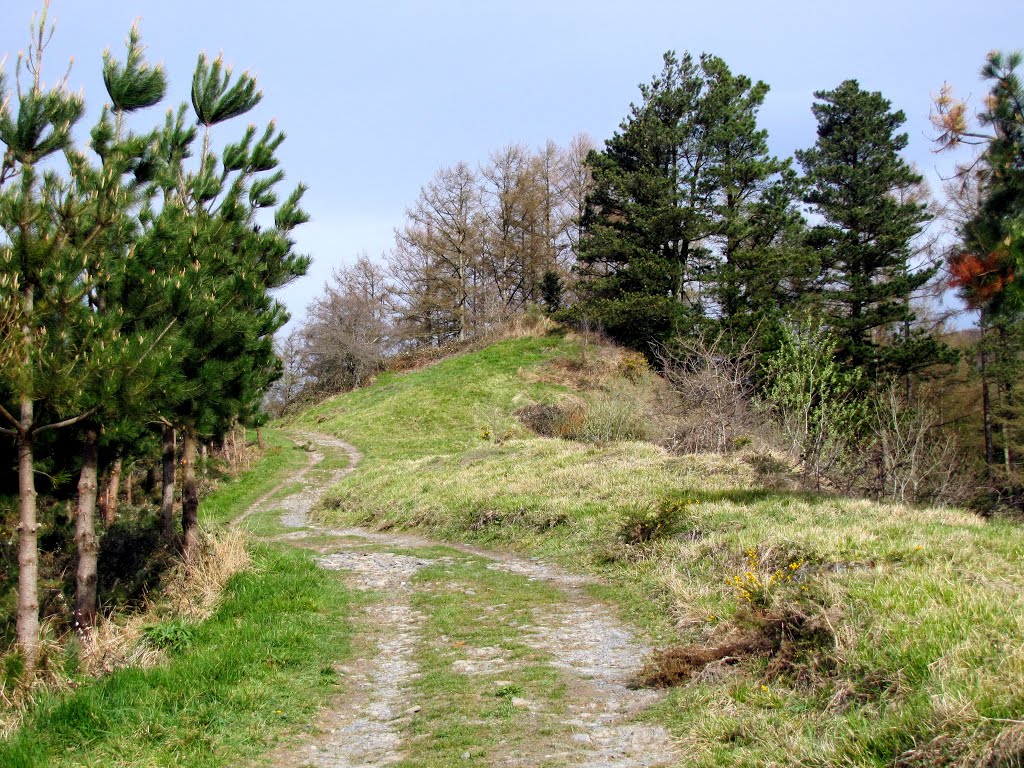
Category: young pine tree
<point>229,238</point>
<point>68,227</point>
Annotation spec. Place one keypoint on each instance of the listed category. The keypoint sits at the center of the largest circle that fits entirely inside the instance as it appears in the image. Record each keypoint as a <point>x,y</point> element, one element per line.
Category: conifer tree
<point>758,266</point>
<point>66,228</point>
<point>855,180</point>
<point>986,267</point>
<point>648,212</point>
<point>228,236</point>
<point>122,399</point>
<point>686,200</point>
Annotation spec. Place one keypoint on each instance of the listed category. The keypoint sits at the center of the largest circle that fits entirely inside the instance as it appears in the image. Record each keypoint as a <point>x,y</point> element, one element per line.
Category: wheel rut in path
<point>369,723</point>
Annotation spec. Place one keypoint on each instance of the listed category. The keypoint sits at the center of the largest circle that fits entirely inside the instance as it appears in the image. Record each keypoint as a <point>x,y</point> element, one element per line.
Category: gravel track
<point>583,639</point>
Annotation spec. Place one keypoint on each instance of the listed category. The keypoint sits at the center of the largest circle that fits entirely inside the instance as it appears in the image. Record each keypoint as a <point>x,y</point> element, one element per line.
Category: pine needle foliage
<point>215,98</point>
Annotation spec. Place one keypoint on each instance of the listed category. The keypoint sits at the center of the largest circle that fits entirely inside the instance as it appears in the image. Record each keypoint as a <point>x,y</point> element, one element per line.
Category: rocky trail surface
<point>464,656</point>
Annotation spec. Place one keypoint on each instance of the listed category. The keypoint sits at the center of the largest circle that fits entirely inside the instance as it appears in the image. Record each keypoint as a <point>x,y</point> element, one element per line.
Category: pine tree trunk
<point>189,494</point>
<point>27,623</point>
<point>113,492</point>
<point>225,447</point>
<point>85,535</point>
<point>129,487</point>
<point>167,502</point>
<point>986,415</point>
<point>1007,454</point>
<point>28,556</point>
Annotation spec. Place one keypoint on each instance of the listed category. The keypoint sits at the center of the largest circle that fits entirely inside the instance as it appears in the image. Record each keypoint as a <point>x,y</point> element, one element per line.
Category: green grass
<point>281,459</point>
<point>439,409</point>
<point>472,713</point>
<point>257,668</point>
<point>928,604</point>
<point>233,685</point>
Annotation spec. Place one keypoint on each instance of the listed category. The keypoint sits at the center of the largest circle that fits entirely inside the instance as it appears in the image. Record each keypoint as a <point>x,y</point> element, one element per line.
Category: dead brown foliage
<point>796,644</point>
<point>562,419</point>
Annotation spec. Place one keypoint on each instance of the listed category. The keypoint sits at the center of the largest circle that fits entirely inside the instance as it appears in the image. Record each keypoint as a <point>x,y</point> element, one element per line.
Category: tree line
<point>136,271</point>
<point>685,226</point>
<point>478,246</point>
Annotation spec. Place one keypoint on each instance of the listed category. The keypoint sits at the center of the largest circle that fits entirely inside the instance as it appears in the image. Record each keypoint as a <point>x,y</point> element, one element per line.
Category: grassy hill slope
<point>813,630</point>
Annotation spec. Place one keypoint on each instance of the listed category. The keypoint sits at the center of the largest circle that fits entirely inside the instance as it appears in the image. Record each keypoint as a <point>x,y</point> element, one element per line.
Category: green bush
<point>817,403</point>
<point>644,523</point>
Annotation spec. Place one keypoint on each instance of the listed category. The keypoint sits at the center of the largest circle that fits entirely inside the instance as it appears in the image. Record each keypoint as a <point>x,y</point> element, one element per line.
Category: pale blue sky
<point>375,97</point>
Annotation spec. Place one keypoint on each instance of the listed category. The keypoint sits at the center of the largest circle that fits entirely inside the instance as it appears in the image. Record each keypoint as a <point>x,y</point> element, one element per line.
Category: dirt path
<point>581,712</point>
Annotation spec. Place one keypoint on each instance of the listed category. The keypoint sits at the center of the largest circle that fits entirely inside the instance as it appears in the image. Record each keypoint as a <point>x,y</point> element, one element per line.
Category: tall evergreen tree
<point>855,180</point>
<point>680,208</point>
<point>127,299</point>
<point>986,268</point>
<point>648,212</point>
<point>759,265</point>
<point>67,227</point>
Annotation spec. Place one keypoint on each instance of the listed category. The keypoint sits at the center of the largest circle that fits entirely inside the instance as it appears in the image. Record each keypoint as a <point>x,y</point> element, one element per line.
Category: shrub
<point>618,413</point>
<point>714,385</point>
<point>563,419</point>
<point>817,403</point>
<point>758,586</point>
<point>134,559</point>
<point>644,523</point>
<point>912,458</point>
<point>633,366</point>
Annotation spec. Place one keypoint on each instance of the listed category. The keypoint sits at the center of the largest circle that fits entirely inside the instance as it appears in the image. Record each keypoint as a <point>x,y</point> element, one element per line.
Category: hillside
<point>431,583</point>
<point>814,629</point>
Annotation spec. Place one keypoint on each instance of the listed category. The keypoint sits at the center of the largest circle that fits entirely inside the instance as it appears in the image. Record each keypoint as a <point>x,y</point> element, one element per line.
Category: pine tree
<point>855,180</point>
<point>68,228</point>
<point>686,201</point>
<point>758,266</point>
<point>228,237</point>
<point>986,267</point>
<point>648,212</point>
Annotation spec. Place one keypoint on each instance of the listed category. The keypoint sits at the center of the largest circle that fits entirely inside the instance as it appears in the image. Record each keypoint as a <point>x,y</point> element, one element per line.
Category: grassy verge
<point>281,458</point>
<point>258,667</point>
<point>922,657</point>
<point>231,685</point>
